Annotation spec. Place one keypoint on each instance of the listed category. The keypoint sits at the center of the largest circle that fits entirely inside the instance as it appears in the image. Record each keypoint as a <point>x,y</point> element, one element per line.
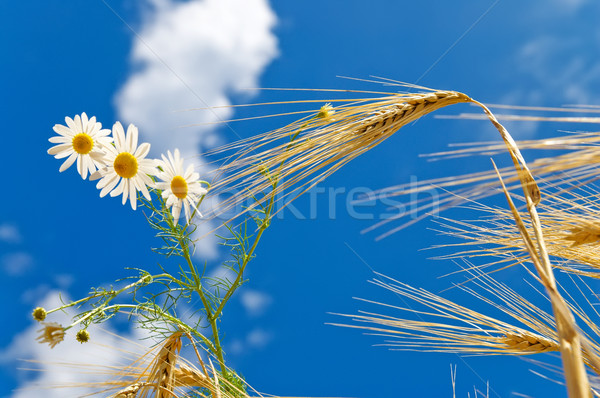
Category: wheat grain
<point>162,373</point>
<point>129,392</point>
<point>186,376</point>
<point>529,343</point>
<point>584,233</point>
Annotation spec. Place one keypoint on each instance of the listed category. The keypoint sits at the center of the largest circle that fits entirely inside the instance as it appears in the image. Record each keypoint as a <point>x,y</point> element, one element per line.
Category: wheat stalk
<point>571,341</point>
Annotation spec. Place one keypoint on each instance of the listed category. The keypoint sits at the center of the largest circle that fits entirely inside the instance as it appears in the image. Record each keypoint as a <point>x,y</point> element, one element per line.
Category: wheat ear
<point>529,343</point>
<point>129,391</point>
<point>321,147</point>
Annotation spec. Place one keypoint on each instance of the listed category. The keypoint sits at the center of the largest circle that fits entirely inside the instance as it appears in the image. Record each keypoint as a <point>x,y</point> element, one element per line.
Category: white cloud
<point>557,68</point>
<point>17,263</point>
<point>560,6</point>
<point>558,64</point>
<point>69,363</point>
<point>257,338</point>
<point>9,233</point>
<point>194,54</point>
<point>255,302</point>
<point>206,242</point>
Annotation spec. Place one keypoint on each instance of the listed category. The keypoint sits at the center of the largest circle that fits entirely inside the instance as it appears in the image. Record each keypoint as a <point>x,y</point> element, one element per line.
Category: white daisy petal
<point>59,148</point>
<point>88,166</point>
<point>85,120</point>
<point>59,139</point>
<point>119,136</point>
<point>78,126</point>
<point>119,189</point>
<point>97,156</point>
<point>80,166</point>
<point>132,138</point>
<point>71,124</point>
<point>176,210</point>
<point>94,129</point>
<point>63,130</point>
<point>96,175</point>
<point>111,182</point>
<point>192,203</point>
<point>132,195</point>
<point>68,162</point>
<point>142,150</point>
<point>144,191</point>
<point>189,172</point>
<point>147,180</point>
<point>171,200</point>
<point>126,189</point>
<point>186,209</point>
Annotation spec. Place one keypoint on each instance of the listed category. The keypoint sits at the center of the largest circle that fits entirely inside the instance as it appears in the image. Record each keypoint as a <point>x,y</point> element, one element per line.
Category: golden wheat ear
<point>445,326</point>
<point>294,158</point>
<point>290,160</point>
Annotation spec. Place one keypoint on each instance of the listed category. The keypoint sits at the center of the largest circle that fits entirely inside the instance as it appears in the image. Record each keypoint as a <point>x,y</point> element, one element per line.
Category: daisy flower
<point>326,113</point>
<point>82,139</point>
<point>127,170</point>
<point>52,333</point>
<point>180,189</point>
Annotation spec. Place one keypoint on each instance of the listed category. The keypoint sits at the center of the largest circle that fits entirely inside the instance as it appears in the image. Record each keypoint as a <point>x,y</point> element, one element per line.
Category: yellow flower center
<point>83,143</point>
<point>179,187</point>
<point>126,165</point>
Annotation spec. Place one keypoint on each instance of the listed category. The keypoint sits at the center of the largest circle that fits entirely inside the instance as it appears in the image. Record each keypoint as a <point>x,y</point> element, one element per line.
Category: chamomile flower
<point>127,170</point>
<point>180,189</point>
<point>326,113</point>
<point>82,139</point>
<point>39,314</point>
<point>52,333</point>
<point>83,336</point>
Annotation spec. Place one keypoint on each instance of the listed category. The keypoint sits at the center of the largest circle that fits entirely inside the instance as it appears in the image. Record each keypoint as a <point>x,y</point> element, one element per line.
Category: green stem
<point>111,293</point>
<point>93,312</point>
<point>247,257</point>
<point>216,345</point>
<point>261,229</point>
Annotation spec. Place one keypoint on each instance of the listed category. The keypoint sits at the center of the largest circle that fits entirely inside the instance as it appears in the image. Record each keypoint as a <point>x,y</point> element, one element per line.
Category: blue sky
<point>139,62</point>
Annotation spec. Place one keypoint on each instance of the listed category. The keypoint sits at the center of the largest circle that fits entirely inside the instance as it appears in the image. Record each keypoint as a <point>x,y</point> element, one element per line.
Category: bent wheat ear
<point>306,152</point>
